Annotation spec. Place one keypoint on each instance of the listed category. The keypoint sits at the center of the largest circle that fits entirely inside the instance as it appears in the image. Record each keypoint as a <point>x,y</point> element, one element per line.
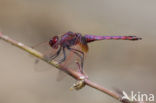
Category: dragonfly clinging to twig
<point>69,39</point>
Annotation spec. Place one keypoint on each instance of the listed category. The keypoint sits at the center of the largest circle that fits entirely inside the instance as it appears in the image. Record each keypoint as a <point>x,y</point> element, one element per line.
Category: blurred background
<point>125,65</point>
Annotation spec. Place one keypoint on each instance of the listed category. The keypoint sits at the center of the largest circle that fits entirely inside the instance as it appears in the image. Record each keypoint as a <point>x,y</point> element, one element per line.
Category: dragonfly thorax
<point>70,39</point>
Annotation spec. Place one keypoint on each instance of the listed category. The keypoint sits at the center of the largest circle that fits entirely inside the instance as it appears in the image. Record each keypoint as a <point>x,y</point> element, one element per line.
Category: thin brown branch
<point>102,89</point>
<point>83,79</point>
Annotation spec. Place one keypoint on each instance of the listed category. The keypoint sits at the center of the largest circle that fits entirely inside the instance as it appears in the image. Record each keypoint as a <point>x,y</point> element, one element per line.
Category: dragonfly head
<point>54,42</point>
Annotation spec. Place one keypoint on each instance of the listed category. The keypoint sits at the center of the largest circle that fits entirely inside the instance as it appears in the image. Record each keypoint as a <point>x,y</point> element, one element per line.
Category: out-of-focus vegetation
<point>125,65</point>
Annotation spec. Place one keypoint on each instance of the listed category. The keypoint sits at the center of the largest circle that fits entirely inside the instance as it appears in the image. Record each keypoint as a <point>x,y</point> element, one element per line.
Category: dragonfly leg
<point>81,56</point>
<point>55,55</point>
<point>64,56</point>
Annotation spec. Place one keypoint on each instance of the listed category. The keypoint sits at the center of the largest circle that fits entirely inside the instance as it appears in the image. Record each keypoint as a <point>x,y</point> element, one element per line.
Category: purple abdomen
<point>90,38</point>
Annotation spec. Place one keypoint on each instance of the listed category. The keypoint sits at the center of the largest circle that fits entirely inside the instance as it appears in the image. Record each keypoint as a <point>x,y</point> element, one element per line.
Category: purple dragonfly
<point>70,39</point>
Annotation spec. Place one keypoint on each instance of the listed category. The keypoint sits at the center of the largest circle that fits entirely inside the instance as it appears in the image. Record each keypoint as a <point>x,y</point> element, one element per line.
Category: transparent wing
<point>83,45</point>
<point>47,51</point>
<point>70,61</point>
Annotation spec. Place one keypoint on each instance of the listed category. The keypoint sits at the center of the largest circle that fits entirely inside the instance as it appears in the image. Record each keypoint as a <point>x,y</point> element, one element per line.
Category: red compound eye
<point>53,41</point>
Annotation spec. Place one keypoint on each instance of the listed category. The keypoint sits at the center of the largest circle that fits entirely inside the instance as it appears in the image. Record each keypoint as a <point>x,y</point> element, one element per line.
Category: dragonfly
<point>68,40</point>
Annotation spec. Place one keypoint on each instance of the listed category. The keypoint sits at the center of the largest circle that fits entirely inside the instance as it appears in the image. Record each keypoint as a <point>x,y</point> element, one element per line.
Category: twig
<point>77,75</point>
